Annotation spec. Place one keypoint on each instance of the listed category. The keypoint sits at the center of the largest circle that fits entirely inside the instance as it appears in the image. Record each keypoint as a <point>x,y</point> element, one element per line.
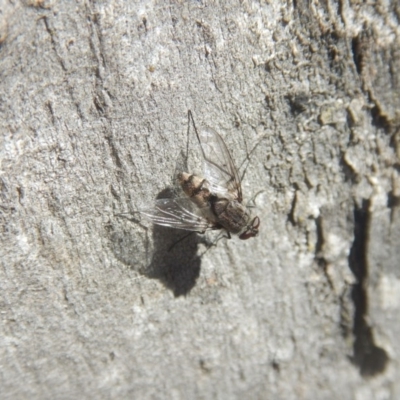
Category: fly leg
<point>181,239</point>
<point>222,235</point>
<point>252,202</point>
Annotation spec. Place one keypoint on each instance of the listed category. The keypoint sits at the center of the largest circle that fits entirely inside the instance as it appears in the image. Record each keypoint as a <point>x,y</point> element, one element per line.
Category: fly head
<point>251,229</point>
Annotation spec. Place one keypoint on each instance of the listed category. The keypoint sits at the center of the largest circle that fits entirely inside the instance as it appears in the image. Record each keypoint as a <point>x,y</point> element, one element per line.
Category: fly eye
<point>252,229</point>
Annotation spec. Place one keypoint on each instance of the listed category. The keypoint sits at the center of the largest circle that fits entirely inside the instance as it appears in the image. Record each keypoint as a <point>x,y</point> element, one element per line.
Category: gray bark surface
<point>93,116</point>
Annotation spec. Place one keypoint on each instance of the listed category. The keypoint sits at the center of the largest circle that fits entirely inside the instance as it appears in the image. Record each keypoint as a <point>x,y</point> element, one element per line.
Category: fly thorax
<point>195,188</point>
<point>231,214</point>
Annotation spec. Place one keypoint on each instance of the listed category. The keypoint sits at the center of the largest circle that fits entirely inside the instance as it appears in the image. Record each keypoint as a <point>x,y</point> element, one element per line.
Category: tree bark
<point>93,103</point>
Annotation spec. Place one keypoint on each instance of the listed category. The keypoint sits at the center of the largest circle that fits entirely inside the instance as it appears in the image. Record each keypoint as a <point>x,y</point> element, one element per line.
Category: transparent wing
<point>219,168</point>
<point>178,213</point>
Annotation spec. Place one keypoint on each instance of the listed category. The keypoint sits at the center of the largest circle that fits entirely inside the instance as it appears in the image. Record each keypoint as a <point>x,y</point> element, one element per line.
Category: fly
<point>212,202</point>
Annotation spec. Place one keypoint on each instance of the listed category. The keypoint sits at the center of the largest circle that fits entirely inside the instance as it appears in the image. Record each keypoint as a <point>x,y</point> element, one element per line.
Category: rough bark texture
<point>94,98</point>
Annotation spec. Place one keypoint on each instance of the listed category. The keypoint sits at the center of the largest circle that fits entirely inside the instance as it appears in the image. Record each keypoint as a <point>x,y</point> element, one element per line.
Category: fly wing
<point>178,213</point>
<point>219,168</point>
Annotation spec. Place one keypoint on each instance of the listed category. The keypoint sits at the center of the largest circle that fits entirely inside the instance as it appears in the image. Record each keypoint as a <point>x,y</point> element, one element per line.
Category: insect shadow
<point>175,261</point>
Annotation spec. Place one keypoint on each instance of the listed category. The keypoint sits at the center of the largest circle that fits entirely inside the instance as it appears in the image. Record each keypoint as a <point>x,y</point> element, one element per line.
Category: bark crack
<point>50,31</point>
<point>367,356</point>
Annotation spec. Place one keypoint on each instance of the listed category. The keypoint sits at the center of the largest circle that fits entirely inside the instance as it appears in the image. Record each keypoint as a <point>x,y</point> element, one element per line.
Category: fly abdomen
<point>195,188</point>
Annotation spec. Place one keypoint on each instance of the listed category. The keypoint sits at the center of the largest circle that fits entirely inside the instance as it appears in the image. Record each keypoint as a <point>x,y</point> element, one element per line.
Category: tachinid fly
<point>213,202</point>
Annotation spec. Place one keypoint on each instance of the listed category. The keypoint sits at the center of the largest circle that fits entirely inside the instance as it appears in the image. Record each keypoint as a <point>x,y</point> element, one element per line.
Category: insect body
<point>212,202</point>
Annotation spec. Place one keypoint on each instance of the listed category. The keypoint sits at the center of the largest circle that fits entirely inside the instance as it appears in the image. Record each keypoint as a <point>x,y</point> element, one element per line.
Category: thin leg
<point>225,235</point>
<point>253,200</point>
<point>180,240</point>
